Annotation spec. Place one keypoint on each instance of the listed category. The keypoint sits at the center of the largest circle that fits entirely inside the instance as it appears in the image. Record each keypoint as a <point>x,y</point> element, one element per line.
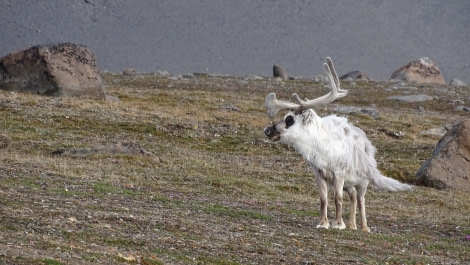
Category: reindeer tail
<point>386,183</point>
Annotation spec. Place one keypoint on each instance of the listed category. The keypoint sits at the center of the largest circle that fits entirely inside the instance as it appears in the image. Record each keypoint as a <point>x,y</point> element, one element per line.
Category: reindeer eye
<point>289,121</point>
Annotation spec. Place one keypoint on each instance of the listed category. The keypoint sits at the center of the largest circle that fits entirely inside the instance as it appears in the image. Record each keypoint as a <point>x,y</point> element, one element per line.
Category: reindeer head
<point>300,113</point>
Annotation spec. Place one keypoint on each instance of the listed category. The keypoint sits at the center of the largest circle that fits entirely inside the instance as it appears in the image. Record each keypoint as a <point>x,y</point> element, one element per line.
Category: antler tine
<point>334,94</point>
<point>273,106</point>
<point>332,70</point>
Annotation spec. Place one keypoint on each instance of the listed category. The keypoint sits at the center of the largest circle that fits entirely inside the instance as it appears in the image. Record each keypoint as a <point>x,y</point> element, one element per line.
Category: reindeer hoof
<point>366,229</point>
<point>324,226</point>
<point>340,226</point>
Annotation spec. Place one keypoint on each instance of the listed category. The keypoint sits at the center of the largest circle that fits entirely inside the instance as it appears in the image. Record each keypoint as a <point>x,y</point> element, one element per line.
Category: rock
<point>320,78</point>
<point>64,69</point>
<point>107,149</point>
<point>411,98</point>
<point>230,107</point>
<point>462,108</point>
<point>457,82</point>
<point>279,72</point>
<point>361,110</point>
<point>131,72</point>
<point>441,131</point>
<point>400,85</point>
<point>449,165</point>
<point>422,71</point>
<point>254,77</point>
<point>4,141</point>
<point>354,75</point>
<point>162,73</point>
<point>112,99</point>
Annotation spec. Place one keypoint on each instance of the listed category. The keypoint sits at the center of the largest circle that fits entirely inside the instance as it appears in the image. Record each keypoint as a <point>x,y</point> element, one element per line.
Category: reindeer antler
<point>273,105</point>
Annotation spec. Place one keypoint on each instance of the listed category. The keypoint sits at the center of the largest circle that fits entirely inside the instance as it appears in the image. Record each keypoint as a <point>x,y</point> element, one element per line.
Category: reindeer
<point>338,152</point>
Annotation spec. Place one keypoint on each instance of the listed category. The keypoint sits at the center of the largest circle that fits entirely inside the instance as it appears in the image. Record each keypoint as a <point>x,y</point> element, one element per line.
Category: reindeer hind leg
<point>361,192</point>
<point>352,208</point>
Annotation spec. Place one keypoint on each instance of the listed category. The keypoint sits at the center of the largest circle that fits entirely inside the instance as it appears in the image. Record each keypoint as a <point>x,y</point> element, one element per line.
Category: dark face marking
<point>289,121</point>
<point>272,133</point>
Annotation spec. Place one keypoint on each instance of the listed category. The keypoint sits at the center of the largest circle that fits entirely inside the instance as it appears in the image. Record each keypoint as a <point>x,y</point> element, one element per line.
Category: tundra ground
<point>212,189</point>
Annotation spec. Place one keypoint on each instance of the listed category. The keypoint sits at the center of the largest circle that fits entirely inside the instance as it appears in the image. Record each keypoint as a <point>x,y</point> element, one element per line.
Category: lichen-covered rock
<point>449,165</point>
<point>422,71</point>
<point>63,69</point>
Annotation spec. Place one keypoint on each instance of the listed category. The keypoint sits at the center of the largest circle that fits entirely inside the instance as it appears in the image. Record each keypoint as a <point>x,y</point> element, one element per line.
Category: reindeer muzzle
<point>272,133</point>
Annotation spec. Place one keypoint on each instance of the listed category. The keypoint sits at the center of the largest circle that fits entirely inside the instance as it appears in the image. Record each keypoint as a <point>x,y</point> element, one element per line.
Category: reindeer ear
<point>308,116</point>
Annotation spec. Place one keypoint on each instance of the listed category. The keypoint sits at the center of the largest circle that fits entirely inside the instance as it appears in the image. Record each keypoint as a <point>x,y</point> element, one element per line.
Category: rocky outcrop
<point>64,69</point>
<point>449,165</point>
<point>422,71</point>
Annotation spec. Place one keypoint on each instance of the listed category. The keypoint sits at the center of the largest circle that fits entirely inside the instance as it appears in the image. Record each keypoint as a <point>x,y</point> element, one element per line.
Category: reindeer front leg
<point>323,190</point>
<point>338,186</point>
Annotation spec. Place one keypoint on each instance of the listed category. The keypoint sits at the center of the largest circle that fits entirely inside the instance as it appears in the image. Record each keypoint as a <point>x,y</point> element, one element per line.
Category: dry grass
<point>213,190</point>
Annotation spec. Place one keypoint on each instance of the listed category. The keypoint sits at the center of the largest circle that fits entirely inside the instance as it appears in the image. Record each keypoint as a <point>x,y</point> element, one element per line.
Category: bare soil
<point>209,188</point>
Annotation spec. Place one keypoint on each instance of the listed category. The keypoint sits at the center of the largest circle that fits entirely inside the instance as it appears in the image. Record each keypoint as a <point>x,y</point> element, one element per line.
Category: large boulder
<point>422,71</point>
<point>449,165</point>
<point>64,69</point>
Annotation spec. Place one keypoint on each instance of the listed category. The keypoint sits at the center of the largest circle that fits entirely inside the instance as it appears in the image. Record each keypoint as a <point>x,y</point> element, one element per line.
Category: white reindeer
<point>338,152</point>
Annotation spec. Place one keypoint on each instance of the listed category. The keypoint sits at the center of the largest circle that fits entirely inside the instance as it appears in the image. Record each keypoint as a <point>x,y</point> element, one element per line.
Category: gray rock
<point>129,72</point>
<point>279,72</point>
<point>441,131</point>
<point>422,71</point>
<point>64,69</point>
<point>162,73</point>
<point>456,82</point>
<point>449,165</point>
<point>106,149</point>
<point>354,75</point>
<point>230,107</point>
<point>254,77</point>
<point>462,108</point>
<point>401,86</point>
<point>361,110</point>
<point>320,78</point>
<point>411,98</point>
